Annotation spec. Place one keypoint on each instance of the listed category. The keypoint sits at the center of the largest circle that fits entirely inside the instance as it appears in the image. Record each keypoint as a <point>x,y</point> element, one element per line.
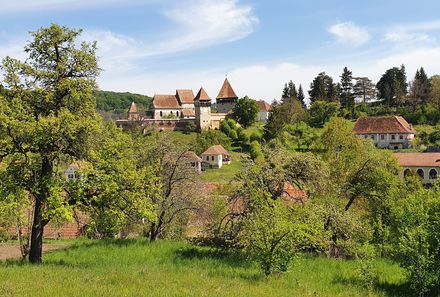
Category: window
<point>421,173</point>
<point>406,173</point>
<point>372,137</point>
<point>432,174</point>
<point>401,137</point>
<point>207,158</point>
<point>171,112</point>
<point>393,137</point>
<point>382,137</point>
<point>212,158</point>
<point>161,113</point>
<point>71,176</point>
<point>177,113</point>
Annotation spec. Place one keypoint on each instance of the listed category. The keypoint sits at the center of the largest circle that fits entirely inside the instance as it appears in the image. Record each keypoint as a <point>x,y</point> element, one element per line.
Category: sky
<point>157,46</point>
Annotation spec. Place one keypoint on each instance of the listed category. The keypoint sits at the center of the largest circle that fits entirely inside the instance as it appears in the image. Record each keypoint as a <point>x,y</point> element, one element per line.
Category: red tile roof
<point>202,96</point>
<point>165,101</point>
<point>191,156</point>
<point>216,150</point>
<point>293,194</point>
<point>418,159</point>
<point>185,96</point>
<point>133,108</point>
<point>226,92</point>
<point>188,112</point>
<point>264,106</point>
<point>372,125</point>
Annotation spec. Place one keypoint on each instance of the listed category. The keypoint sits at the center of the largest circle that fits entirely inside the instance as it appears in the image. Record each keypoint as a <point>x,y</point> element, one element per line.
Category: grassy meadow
<point>167,268</point>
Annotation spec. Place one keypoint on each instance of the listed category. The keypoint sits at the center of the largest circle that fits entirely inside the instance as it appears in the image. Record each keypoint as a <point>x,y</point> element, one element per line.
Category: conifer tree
<point>301,96</point>
<point>347,96</point>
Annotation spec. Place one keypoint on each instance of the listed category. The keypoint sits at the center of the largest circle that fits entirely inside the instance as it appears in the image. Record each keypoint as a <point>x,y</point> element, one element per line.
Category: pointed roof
<point>185,96</point>
<point>226,92</point>
<point>216,150</point>
<point>133,108</point>
<point>202,96</point>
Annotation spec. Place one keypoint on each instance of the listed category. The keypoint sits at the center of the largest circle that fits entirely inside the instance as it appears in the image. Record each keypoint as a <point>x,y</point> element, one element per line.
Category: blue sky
<point>154,46</point>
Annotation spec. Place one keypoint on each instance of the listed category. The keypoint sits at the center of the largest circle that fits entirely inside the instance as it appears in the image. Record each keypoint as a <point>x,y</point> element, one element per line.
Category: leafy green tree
<point>302,135</point>
<point>435,91</point>
<point>47,117</point>
<point>224,127</point>
<point>359,172</point>
<point>416,242</point>
<point>288,112</point>
<point>321,112</point>
<point>206,139</point>
<point>255,150</point>
<point>245,111</point>
<point>392,86</point>
<point>109,186</point>
<point>243,137</point>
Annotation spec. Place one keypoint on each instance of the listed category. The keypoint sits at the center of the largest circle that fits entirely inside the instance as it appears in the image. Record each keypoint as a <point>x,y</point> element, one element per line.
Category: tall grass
<point>167,268</point>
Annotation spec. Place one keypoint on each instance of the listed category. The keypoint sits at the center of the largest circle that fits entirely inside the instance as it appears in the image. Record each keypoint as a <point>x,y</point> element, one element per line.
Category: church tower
<point>226,98</point>
<point>133,113</point>
<point>202,104</point>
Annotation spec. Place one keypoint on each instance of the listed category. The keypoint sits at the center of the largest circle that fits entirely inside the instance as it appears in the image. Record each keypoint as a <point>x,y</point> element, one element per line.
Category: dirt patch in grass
<point>12,251</point>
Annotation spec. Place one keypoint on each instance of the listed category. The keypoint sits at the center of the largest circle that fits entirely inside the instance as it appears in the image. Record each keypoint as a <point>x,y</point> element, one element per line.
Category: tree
<point>392,86</point>
<point>47,116</point>
<point>321,112</point>
<point>435,91</point>
<point>347,96</point>
<point>323,89</point>
<point>109,186</point>
<point>246,111</point>
<point>364,89</point>
<point>301,96</point>
<point>359,173</point>
<point>289,91</point>
<point>174,191</point>
<point>419,89</point>
<point>206,139</point>
<point>415,239</point>
<point>289,112</point>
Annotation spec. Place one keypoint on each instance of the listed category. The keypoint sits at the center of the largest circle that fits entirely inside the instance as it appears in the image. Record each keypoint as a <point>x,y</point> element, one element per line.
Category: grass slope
<point>138,268</point>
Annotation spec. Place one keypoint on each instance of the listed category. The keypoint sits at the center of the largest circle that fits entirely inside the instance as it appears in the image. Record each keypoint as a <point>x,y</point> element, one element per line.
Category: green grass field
<point>226,173</point>
<point>165,268</point>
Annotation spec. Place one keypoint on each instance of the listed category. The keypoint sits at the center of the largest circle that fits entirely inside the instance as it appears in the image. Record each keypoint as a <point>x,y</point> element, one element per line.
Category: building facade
<point>425,165</point>
<point>216,156</point>
<point>386,132</point>
<point>265,109</point>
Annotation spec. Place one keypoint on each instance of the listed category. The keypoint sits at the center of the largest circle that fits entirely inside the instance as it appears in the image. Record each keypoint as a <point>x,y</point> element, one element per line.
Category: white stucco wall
<point>166,113</point>
<point>387,141</point>
<point>213,160</point>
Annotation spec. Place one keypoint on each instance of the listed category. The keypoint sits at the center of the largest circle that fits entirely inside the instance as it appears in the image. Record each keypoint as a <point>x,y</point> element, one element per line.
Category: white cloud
<point>413,33</point>
<point>349,33</point>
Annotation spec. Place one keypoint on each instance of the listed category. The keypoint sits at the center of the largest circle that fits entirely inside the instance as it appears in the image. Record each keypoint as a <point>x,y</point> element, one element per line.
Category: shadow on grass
<point>231,259</point>
<point>389,289</point>
<point>81,244</point>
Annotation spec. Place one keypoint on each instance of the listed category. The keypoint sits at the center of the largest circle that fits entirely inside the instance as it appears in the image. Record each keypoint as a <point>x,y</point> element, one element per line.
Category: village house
<point>386,132</point>
<point>216,156</point>
<point>425,165</point>
<point>264,112</point>
<point>193,161</point>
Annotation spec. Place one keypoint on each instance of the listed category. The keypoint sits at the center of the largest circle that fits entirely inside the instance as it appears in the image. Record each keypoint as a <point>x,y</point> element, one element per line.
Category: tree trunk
<point>36,250</point>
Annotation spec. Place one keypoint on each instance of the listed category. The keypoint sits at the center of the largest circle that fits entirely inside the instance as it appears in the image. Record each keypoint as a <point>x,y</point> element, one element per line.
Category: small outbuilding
<point>216,156</point>
<point>193,161</point>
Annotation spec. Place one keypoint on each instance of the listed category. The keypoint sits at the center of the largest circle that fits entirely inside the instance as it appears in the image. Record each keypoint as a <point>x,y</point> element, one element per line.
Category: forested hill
<point>117,102</point>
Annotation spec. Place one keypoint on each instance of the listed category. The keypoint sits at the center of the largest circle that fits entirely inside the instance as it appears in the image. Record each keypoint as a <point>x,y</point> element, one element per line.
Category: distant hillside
<point>118,103</point>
